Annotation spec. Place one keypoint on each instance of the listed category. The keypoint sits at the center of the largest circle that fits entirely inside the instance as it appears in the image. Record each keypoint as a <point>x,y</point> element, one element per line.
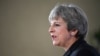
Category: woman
<point>68,28</point>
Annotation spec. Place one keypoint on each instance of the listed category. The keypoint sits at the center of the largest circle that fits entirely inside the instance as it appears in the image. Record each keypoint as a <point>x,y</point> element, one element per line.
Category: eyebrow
<point>57,22</point>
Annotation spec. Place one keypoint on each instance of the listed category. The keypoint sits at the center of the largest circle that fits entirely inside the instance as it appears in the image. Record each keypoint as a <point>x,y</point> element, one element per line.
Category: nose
<point>51,29</point>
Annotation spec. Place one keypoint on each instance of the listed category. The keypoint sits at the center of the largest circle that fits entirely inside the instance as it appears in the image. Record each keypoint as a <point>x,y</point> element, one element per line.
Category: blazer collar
<point>73,47</point>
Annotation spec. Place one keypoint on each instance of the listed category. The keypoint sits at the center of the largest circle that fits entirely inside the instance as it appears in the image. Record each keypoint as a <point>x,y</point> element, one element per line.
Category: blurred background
<point>24,26</point>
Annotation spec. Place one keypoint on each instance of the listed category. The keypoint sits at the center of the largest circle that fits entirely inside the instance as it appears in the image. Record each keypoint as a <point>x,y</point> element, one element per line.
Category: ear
<point>73,32</point>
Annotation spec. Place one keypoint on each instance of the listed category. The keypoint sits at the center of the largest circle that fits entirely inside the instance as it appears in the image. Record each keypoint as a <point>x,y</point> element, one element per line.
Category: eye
<point>57,24</point>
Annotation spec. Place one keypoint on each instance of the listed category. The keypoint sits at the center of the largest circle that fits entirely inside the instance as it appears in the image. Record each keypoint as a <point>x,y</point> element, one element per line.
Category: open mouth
<point>53,37</point>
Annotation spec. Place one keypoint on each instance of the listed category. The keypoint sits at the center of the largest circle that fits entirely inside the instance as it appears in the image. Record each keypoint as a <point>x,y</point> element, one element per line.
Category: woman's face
<point>59,33</point>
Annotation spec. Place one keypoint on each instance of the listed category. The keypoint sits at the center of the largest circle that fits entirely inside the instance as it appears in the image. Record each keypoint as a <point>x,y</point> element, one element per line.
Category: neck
<point>70,43</point>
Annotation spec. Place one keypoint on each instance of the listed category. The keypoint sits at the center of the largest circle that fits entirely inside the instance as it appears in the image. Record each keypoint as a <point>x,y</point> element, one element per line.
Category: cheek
<point>63,31</point>
<point>63,37</point>
<point>63,34</point>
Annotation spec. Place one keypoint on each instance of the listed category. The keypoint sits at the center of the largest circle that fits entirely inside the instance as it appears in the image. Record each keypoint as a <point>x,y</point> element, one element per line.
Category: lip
<point>53,37</point>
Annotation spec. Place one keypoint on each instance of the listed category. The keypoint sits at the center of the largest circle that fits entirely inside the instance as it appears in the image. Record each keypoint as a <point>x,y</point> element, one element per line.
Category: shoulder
<point>85,50</point>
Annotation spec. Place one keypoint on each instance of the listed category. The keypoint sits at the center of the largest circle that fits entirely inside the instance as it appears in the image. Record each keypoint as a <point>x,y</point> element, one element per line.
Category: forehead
<point>57,20</point>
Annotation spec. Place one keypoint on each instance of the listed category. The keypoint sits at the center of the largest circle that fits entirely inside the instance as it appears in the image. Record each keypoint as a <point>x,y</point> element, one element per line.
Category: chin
<point>55,44</point>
